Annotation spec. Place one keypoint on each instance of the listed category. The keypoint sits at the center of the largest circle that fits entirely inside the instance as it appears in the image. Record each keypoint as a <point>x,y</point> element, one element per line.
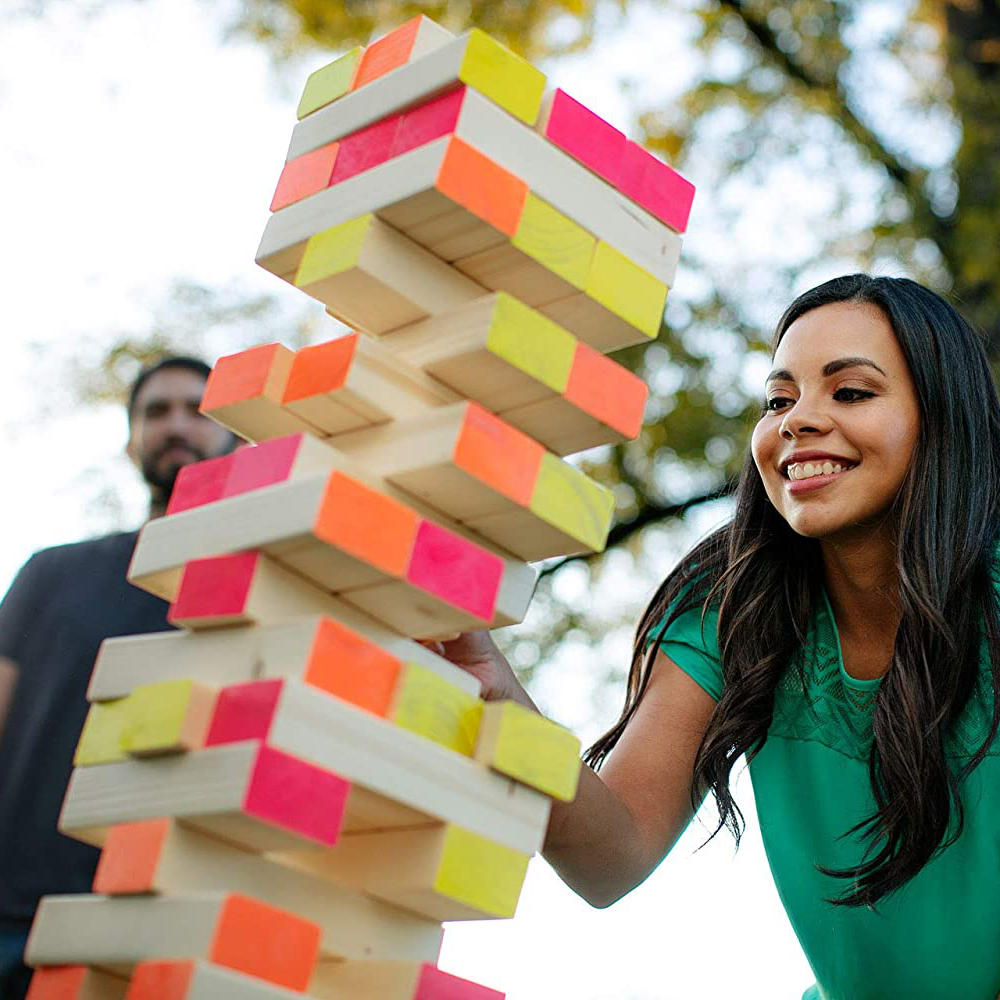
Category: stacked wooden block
<point>290,792</point>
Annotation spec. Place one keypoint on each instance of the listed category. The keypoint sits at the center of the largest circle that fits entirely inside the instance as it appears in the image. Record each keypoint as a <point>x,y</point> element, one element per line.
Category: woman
<point>842,631</point>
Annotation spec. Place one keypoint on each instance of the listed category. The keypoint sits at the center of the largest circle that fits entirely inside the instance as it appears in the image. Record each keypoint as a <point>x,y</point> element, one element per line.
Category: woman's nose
<point>802,418</point>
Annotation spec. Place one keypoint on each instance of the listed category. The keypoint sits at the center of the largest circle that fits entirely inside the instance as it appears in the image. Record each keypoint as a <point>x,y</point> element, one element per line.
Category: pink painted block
<point>305,175</point>
<point>365,149</point>
<point>427,122</point>
<point>244,712</point>
<point>658,188</point>
<point>297,796</point>
<point>200,483</point>
<point>456,570</point>
<point>264,464</point>
<point>434,984</point>
<point>587,137</point>
<point>214,587</point>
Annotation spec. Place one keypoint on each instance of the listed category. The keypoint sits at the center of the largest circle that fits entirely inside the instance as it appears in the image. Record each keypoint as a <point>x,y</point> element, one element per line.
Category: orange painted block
<point>305,175</point>
<point>74,982</point>
<point>160,981</point>
<point>129,857</point>
<point>607,391</point>
<point>317,386</point>
<point>659,189</point>
<point>482,187</point>
<point>244,391</point>
<point>409,41</point>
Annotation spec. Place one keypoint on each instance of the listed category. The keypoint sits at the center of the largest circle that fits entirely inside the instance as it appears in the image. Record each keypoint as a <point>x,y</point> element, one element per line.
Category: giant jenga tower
<point>291,793</point>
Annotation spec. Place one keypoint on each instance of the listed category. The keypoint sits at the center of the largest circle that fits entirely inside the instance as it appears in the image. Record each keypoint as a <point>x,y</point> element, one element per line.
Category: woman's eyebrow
<point>830,368</point>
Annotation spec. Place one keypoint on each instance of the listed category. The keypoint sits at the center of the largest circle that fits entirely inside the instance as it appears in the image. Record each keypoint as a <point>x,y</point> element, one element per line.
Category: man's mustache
<point>178,442</point>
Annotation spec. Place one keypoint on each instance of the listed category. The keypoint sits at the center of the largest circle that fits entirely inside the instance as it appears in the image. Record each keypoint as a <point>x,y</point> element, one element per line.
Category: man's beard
<point>161,478</point>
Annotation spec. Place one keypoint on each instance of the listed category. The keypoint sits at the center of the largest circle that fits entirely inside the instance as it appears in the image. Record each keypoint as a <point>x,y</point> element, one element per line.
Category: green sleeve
<point>695,649</point>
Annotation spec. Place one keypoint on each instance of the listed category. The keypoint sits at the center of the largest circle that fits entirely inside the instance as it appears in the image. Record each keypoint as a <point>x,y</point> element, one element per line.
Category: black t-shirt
<point>64,601</point>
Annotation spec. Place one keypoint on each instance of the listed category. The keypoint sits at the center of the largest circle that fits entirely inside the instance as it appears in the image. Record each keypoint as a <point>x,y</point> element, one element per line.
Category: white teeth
<point>805,470</point>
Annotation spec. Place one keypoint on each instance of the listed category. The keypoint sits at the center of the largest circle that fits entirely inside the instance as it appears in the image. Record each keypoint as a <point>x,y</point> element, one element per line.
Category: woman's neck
<point>862,582</point>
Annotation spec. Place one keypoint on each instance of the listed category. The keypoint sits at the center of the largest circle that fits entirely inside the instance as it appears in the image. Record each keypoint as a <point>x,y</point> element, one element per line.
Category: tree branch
<point>650,514</point>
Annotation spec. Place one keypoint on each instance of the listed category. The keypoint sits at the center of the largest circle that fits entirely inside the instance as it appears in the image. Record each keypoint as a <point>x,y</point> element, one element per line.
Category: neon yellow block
<point>626,290</point>
<point>329,82</point>
<point>333,251</point>
<point>480,873</point>
<point>531,342</point>
<point>101,739</point>
<point>505,78</point>
<point>428,705</point>
<point>572,502</point>
<point>555,241</point>
<point>529,748</point>
<point>168,717</point>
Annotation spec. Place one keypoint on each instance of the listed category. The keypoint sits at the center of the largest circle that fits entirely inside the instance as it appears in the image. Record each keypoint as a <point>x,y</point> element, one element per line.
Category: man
<point>63,603</point>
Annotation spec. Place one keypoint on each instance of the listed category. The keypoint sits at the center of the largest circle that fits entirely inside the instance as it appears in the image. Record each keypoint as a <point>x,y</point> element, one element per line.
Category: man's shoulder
<point>115,544</point>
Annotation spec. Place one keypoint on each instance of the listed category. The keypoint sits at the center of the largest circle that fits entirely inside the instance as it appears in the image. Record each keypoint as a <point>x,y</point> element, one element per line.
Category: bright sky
<point>138,147</point>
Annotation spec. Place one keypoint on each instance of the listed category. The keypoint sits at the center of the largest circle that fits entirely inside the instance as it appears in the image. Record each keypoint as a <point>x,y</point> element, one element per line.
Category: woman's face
<point>840,396</point>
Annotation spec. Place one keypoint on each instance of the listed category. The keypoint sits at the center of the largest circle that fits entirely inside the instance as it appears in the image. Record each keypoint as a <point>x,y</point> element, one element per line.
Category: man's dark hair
<point>170,361</point>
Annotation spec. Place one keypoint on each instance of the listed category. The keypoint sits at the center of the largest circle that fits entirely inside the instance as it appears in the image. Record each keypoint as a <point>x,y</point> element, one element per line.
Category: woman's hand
<point>477,654</point>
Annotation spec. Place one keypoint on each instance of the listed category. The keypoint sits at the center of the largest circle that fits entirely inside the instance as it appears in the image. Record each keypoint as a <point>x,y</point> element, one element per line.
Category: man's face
<point>168,432</point>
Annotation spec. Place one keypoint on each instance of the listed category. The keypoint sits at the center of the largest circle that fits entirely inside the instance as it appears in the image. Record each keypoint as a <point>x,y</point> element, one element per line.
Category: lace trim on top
<point>839,709</point>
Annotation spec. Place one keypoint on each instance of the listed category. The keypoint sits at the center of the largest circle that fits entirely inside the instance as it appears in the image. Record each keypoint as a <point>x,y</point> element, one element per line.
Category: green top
<point>939,935</point>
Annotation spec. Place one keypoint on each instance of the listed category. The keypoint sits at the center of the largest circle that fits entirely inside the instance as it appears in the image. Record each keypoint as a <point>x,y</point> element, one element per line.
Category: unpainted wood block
<point>244,391</point>
<point>398,778</point>
<point>529,748</point>
<point>167,717</point>
<point>163,856</point>
<point>200,483</point>
<point>585,136</point>
<point>364,149</point>
<point>417,37</point>
<point>441,872</point>
<point>305,176</point>
<point>375,279</point>
<point>355,381</point>
<point>75,982</point>
<point>101,737</point>
<point>626,290</point>
<point>196,979</point>
<point>329,82</point>
<point>657,187</point>
<point>231,929</point>
<point>252,795</point>
<point>394,981</point>
<point>316,648</point>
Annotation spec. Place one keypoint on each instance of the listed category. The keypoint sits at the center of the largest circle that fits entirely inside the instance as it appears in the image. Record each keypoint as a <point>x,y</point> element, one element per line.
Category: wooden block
<point>656,187</point>
<point>335,531</point>
<point>364,149</point>
<point>442,872</point>
<point>275,461</point>
<point>244,392</point>
<point>399,779</point>
<point>329,82</point>
<point>234,930</point>
<point>626,290</point>
<point>101,737</point>
<point>318,649</point>
<point>354,382</point>
<point>254,796</point>
<point>428,121</point>
<point>417,37</point>
<point>547,171</point>
<point>195,979</point>
<point>474,59</point>
<point>162,856</point>
<point>200,483</point>
<point>394,981</point>
<point>587,137</point>
<point>305,175</point>
<point>167,717</point>
<point>375,279</point>
<point>249,587</point>
<point>526,746</point>
<point>74,982</point>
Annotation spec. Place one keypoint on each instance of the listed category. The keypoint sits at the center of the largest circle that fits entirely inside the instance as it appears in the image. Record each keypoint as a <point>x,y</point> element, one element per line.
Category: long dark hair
<point>764,580</point>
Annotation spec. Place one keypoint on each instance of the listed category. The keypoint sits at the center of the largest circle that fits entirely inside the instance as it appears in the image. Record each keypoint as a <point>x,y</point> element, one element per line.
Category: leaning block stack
<point>291,793</point>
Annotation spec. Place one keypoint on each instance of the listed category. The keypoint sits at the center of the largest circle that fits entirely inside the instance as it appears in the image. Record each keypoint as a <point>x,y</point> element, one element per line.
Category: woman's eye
<point>774,403</point>
<point>854,395</point>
